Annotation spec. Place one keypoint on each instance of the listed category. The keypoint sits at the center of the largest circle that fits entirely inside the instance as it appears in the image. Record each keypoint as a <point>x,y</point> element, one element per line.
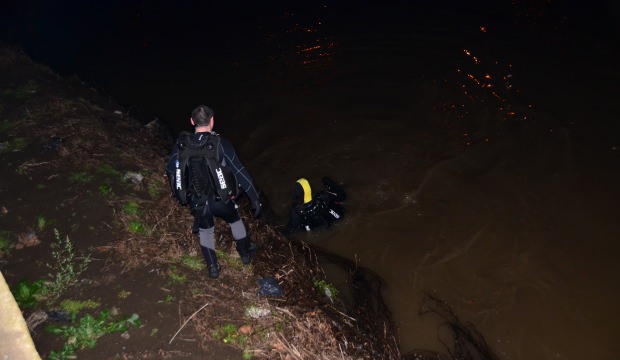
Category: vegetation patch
<point>23,91</point>
<point>136,227</point>
<point>81,177</point>
<point>325,288</point>
<point>193,262</point>
<point>229,334</point>
<point>131,207</point>
<point>6,244</point>
<point>175,277</point>
<point>14,144</point>
<point>6,126</point>
<point>154,189</point>
<point>85,332</point>
<point>27,294</point>
<point>108,169</point>
<point>66,268</point>
<point>123,294</point>
<point>74,307</point>
<point>43,223</point>
<point>105,190</point>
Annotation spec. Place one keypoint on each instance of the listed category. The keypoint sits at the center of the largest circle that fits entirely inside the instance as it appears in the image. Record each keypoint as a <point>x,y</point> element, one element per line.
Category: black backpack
<point>198,173</point>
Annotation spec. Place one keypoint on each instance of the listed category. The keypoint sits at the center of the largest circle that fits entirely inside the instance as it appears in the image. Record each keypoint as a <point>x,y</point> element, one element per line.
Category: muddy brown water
<point>518,230</point>
<point>513,222</point>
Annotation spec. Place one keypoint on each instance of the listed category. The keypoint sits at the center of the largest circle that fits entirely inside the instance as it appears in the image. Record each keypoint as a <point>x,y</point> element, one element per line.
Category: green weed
<point>168,299</point>
<point>27,294</point>
<point>193,262</point>
<point>66,267</point>
<point>81,177</point>
<point>73,307</point>
<point>85,333</point>
<point>136,227</point>
<point>123,294</point>
<point>43,223</point>
<point>229,334</point>
<point>6,245</point>
<point>175,277</point>
<point>15,144</point>
<point>233,262</point>
<point>108,169</point>
<point>6,126</point>
<point>154,189</point>
<point>105,190</point>
<point>131,207</point>
<point>325,288</point>
<point>22,91</point>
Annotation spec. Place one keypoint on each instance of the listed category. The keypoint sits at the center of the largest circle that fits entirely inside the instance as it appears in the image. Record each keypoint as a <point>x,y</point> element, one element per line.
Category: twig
<point>186,321</point>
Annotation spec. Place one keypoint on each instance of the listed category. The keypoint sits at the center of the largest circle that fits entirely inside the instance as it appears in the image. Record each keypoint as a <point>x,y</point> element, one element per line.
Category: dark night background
<point>163,57</point>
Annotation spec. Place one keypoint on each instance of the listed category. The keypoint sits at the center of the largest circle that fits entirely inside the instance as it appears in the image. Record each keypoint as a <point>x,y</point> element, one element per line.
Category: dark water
<point>481,167</point>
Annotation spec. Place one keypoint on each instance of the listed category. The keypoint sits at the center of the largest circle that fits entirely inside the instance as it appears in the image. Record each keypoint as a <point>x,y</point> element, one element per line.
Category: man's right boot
<point>211,260</point>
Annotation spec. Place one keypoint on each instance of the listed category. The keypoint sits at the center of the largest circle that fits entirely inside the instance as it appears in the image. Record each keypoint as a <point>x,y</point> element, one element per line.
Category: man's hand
<point>256,207</point>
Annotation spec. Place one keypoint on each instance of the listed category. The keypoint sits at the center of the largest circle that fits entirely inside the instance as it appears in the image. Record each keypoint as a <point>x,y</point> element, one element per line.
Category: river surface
<point>480,157</point>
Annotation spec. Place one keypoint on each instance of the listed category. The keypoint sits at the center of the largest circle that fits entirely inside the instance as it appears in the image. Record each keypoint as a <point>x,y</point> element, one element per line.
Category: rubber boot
<point>246,250</point>
<point>195,226</point>
<point>211,260</point>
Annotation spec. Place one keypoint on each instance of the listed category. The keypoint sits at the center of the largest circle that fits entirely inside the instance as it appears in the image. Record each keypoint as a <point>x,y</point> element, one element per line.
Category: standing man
<point>193,184</point>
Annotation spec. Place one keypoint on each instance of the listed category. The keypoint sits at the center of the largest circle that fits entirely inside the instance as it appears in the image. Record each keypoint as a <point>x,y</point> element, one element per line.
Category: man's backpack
<point>198,173</point>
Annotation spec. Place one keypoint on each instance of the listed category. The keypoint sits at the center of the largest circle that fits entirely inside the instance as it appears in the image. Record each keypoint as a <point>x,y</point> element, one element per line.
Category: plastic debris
<point>134,177</point>
<point>52,145</point>
<point>256,312</point>
<point>269,287</point>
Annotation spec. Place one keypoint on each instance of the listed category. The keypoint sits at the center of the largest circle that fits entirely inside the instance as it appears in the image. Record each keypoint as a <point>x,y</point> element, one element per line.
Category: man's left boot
<point>246,250</point>
<point>211,260</point>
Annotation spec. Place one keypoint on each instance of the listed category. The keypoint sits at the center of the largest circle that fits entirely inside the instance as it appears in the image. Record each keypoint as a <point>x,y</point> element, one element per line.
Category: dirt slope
<point>77,171</point>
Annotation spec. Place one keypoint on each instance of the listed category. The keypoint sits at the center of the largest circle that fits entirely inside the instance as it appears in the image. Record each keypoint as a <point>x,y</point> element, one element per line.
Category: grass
<point>27,293</point>
<point>175,277</point>
<point>123,294</point>
<point>193,262</point>
<point>131,207</point>
<point>81,177</point>
<point>154,189</point>
<point>229,334</point>
<point>325,288</point>
<point>85,332</point>
<point>15,144</point>
<point>167,300</point>
<point>6,245</point>
<point>233,262</point>
<point>22,91</point>
<point>136,227</point>
<point>65,271</point>
<point>66,267</point>
<point>6,126</point>
<point>108,169</point>
<point>43,223</point>
<point>74,307</point>
<point>105,190</point>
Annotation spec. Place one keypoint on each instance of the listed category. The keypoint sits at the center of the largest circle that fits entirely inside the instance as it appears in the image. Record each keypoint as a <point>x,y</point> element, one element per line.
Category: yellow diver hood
<point>307,190</point>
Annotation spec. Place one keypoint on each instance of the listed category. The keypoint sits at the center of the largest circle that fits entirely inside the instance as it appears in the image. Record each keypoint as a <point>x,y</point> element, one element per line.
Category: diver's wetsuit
<point>204,211</point>
<point>324,208</point>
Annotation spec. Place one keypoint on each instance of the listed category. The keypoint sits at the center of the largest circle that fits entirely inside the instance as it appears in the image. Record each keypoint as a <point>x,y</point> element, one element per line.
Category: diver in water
<point>312,211</point>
